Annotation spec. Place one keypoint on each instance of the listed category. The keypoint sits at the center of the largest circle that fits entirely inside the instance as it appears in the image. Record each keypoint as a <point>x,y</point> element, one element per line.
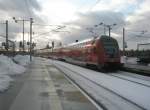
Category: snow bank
<point>5,82</point>
<point>22,60</point>
<point>8,68</point>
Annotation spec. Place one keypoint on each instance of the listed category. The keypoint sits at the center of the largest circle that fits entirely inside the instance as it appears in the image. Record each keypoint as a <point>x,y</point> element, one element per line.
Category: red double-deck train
<point>102,52</point>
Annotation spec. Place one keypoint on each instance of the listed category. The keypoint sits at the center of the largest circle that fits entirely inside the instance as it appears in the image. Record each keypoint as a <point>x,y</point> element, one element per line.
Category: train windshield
<point>110,46</point>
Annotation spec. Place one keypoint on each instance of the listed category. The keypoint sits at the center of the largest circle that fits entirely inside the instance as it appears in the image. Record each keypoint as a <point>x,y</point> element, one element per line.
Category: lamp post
<point>109,26</point>
<point>6,36</point>
<point>7,45</point>
<point>123,41</point>
<point>21,20</point>
<point>31,23</point>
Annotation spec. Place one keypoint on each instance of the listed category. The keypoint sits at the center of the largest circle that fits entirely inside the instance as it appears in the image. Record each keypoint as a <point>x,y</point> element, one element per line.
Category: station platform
<point>43,87</point>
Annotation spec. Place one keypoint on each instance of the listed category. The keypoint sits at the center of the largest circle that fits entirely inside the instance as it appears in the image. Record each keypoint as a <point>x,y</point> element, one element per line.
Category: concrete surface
<point>43,87</point>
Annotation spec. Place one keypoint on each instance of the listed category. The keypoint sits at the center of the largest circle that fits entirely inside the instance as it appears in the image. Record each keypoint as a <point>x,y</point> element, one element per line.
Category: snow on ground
<point>7,66</point>
<point>132,91</point>
<point>131,75</point>
<point>7,69</point>
<point>4,82</point>
<point>22,60</point>
<point>137,79</point>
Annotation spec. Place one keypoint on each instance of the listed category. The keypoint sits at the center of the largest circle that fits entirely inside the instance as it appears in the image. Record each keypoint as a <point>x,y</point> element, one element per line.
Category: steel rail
<point>124,98</point>
<point>129,80</point>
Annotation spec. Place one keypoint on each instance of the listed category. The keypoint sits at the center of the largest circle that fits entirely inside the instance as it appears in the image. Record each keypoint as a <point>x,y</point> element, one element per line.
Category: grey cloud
<point>134,28</point>
<point>132,36</point>
<point>89,20</point>
<point>21,9</point>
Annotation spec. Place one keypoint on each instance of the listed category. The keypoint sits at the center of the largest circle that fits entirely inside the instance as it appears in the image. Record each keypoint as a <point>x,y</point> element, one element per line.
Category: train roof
<point>87,40</point>
<point>83,41</point>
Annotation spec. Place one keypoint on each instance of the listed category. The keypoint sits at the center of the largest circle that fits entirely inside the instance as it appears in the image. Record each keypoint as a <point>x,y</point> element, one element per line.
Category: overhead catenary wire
<point>135,37</point>
<point>94,5</point>
<point>137,34</point>
<point>46,25</point>
<point>59,26</point>
<point>2,36</point>
<point>41,34</point>
<point>54,30</point>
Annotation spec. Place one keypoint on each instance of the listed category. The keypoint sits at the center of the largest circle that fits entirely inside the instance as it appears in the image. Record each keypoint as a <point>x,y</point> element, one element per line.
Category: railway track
<point>131,79</point>
<point>137,76</point>
<point>61,67</point>
<point>99,105</point>
<point>143,80</point>
<point>135,70</point>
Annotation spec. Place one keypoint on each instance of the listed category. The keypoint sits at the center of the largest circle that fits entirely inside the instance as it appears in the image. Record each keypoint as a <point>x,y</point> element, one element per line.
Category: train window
<point>111,50</point>
<point>94,50</point>
<point>93,42</point>
<point>88,50</point>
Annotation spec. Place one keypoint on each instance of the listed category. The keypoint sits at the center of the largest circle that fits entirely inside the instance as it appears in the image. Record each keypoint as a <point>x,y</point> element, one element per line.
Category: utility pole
<point>123,41</point>
<point>104,30</point>
<point>109,29</point>
<point>6,36</point>
<point>23,21</point>
<point>23,35</point>
<point>30,39</point>
<point>7,45</point>
<point>52,46</point>
<point>28,42</point>
<point>13,49</point>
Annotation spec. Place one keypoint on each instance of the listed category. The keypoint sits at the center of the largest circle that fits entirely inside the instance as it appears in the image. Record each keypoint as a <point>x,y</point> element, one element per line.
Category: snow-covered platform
<point>43,87</point>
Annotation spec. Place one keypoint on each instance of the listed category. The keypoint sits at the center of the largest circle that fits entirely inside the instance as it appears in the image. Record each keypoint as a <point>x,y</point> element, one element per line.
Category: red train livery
<point>101,52</point>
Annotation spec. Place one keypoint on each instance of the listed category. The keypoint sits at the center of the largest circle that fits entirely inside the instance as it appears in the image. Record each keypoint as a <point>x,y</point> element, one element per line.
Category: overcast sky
<point>75,16</point>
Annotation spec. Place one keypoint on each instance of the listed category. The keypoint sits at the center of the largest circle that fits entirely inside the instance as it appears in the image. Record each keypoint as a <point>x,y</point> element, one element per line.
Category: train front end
<point>110,54</point>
